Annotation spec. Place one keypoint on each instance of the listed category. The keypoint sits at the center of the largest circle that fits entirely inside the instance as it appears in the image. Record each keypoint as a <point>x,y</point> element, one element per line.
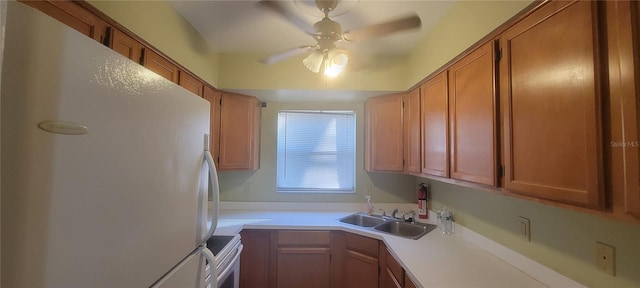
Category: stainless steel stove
<point>227,250</point>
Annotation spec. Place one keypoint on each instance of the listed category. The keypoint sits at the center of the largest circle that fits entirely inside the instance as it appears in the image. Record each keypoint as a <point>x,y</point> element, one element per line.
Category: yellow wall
<point>465,23</point>
<point>161,26</point>
<point>260,185</point>
<point>244,71</point>
<point>561,239</point>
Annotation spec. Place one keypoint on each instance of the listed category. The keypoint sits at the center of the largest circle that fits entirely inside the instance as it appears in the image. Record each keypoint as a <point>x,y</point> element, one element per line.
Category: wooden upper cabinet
<point>163,67</point>
<point>550,91</point>
<point>384,145</point>
<point>411,119</point>
<point>125,45</point>
<point>472,117</point>
<point>213,97</point>
<point>239,132</point>
<point>624,68</point>
<point>435,126</point>
<point>74,16</point>
<point>187,81</point>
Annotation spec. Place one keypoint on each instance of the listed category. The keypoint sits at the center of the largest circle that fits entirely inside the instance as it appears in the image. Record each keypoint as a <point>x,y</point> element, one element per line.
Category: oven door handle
<point>212,263</point>
<point>228,269</point>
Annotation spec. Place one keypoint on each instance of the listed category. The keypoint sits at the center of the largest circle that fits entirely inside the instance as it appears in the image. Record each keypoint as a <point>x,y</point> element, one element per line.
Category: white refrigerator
<point>105,168</point>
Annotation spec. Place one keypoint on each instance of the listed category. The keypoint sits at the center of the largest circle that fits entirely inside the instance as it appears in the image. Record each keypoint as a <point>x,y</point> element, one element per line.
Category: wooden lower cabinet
<point>407,282</point>
<point>391,273</point>
<point>303,259</point>
<point>255,258</point>
<point>308,258</point>
<point>360,261</point>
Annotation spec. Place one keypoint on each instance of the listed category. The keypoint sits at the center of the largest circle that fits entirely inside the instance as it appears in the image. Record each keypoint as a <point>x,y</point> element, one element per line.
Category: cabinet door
<point>125,45</point>
<point>303,259</point>
<point>303,267</point>
<point>391,273</point>
<point>239,132</point>
<point>411,119</point>
<point>255,259</point>
<point>384,143</point>
<point>550,86</point>
<point>156,63</point>
<point>187,81</point>
<point>408,283</point>
<point>360,270</point>
<point>213,97</point>
<point>435,125</point>
<point>74,16</point>
<point>624,49</point>
<point>360,261</point>
<point>472,117</point>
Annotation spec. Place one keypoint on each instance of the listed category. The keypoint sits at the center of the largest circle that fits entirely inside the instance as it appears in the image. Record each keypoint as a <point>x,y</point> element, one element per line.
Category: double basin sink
<point>389,225</point>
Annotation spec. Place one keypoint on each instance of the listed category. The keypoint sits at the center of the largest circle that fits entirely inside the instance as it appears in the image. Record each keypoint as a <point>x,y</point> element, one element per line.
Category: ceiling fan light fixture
<point>335,62</point>
<point>313,62</point>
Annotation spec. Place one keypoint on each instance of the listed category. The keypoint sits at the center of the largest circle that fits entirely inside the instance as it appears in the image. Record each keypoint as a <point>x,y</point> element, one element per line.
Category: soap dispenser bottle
<point>369,206</point>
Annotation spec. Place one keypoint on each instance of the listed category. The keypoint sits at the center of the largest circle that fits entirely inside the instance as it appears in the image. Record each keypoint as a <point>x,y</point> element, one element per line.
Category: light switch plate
<point>605,258</point>
<point>525,229</point>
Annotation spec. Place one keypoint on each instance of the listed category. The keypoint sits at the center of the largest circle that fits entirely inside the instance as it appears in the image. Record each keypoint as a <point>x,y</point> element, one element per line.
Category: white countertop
<point>435,260</point>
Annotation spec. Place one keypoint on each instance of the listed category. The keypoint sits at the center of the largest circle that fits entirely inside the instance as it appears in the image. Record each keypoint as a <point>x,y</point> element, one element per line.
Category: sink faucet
<point>384,214</point>
<point>393,214</point>
<point>411,219</point>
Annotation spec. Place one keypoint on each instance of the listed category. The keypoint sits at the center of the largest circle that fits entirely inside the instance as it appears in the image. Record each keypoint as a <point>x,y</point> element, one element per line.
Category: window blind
<point>316,152</point>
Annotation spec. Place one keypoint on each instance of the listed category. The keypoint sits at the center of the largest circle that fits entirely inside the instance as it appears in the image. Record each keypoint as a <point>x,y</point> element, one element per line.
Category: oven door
<point>229,277</point>
<point>226,271</point>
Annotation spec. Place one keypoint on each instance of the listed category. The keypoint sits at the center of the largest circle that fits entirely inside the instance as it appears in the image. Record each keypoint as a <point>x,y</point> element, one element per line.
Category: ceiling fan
<point>325,56</point>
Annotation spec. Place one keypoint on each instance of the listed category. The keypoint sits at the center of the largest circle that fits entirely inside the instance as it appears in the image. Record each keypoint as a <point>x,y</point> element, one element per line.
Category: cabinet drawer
<point>366,245</point>
<point>306,238</point>
<point>395,268</point>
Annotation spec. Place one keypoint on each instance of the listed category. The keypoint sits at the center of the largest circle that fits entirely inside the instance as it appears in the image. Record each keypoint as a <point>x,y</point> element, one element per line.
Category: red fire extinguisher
<point>422,201</point>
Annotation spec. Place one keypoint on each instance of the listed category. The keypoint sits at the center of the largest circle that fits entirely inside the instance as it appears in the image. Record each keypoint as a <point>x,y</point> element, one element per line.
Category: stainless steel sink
<point>389,225</point>
<point>363,220</point>
<point>404,229</point>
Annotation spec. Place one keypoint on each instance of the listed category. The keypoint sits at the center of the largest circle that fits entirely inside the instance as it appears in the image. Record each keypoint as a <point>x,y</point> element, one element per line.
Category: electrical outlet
<point>525,229</point>
<point>606,258</point>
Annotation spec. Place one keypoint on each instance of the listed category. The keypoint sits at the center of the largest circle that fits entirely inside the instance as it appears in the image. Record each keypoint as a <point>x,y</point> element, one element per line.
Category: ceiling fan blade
<point>383,29</point>
<point>286,54</point>
<point>277,7</point>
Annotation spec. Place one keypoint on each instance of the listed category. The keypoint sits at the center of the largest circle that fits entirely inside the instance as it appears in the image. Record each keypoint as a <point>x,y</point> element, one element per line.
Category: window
<point>316,152</point>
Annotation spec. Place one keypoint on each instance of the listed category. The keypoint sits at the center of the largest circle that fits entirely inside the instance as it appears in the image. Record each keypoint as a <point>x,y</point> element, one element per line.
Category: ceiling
<point>241,26</point>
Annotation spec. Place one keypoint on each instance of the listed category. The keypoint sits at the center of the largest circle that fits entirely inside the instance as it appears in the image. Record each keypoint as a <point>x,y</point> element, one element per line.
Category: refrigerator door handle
<point>213,178</point>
